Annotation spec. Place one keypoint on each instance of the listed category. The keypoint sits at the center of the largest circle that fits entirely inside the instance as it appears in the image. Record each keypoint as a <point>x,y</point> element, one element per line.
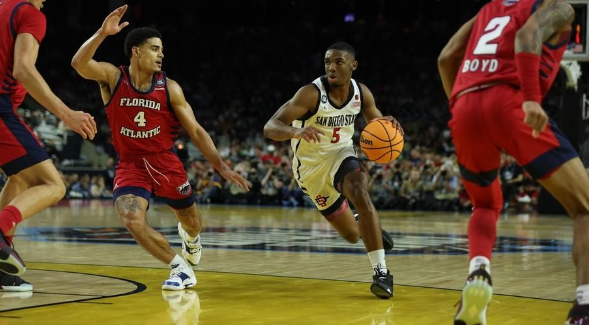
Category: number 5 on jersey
<point>335,136</point>
<point>140,119</point>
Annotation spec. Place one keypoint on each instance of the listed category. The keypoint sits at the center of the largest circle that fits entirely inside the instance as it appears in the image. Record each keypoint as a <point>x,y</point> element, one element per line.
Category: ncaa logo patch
<point>323,99</point>
<point>509,3</point>
<point>159,82</point>
<point>184,189</point>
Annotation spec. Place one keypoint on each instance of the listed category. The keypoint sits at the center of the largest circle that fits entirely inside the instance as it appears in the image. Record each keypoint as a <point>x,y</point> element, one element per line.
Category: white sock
<point>377,259</point>
<point>476,263</point>
<point>192,240</point>
<point>583,294</point>
<point>178,261</point>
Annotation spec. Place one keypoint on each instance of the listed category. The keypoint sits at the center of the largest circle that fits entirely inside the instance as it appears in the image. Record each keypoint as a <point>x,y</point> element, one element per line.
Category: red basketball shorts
<point>19,147</point>
<point>162,174</point>
<point>486,121</point>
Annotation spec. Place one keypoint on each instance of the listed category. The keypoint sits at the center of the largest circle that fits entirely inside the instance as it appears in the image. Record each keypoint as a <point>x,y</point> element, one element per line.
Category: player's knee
<point>59,191</point>
<point>193,223</point>
<point>579,207</point>
<point>356,188</point>
<point>132,223</point>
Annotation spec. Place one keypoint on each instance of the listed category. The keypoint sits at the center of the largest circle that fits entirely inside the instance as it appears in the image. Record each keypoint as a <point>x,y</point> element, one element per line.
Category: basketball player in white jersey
<point>325,164</point>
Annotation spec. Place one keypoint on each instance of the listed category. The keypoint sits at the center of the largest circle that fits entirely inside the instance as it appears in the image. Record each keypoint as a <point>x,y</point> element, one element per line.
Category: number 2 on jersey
<point>140,119</point>
<point>492,32</point>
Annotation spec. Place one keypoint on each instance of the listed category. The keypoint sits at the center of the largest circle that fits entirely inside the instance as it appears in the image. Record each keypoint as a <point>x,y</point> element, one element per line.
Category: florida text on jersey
<point>142,122</point>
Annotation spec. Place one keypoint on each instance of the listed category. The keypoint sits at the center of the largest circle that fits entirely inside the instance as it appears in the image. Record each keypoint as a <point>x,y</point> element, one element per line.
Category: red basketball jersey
<point>490,54</point>
<point>142,123</point>
<point>16,17</point>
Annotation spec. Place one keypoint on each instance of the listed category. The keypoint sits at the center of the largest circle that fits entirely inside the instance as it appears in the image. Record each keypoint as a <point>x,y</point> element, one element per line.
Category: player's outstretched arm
<point>199,135</point>
<point>451,56</point>
<point>26,49</point>
<point>548,22</point>
<point>83,60</point>
<point>278,127</point>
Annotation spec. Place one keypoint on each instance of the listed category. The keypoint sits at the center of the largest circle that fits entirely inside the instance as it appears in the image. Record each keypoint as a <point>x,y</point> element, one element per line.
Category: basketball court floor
<point>282,266</point>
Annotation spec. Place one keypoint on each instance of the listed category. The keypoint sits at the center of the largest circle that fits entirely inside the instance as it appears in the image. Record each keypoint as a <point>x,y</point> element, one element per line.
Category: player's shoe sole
<point>476,296</point>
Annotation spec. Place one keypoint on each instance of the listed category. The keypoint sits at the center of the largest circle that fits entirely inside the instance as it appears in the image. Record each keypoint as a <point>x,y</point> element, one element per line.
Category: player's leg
<point>354,186</point>
<point>24,160</point>
<point>345,223</point>
<point>11,189</point>
<point>551,159</point>
<point>324,185</point>
<point>10,282</point>
<point>171,184</point>
<point>45,185</point>
<point>132,210</point>
<point>189,227</point>
<point>478,159</point>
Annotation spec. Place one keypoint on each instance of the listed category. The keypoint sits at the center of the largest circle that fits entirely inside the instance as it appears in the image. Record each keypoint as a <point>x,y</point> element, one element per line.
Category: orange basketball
<point>381,141</point>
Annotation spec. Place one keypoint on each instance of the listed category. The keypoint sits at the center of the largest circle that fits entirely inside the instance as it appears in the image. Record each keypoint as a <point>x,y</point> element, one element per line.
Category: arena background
<point>239,61</point>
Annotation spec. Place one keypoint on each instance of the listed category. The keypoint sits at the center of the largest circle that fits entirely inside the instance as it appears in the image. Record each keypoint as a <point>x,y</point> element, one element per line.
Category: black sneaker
<point>382,284</point>
<point>476,296</point>
<point>578,315</point>
<point>10,262</point>
<point>387,241</point>
<point>13,283</point>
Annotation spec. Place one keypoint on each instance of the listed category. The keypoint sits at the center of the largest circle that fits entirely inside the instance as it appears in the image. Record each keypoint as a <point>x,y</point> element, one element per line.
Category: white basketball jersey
<point>336,122</point>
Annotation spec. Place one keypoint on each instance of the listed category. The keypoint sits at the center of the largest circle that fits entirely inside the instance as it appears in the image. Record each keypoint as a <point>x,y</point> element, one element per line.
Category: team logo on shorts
<point>324,99</point>
<point>321,200</point>
<point>184,189</point>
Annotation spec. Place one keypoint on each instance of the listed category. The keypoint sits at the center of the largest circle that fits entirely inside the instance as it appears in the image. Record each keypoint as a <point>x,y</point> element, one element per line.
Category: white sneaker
<point>190,250</point>
<point>180,279</point>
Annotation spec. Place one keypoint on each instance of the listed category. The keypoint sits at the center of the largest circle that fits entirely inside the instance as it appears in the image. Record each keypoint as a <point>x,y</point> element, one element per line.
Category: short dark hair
<point>138,36</point>
<point>343,46</point>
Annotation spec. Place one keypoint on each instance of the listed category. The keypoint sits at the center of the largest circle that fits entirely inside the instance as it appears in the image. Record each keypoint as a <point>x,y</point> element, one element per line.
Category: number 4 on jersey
<point>140,119</point>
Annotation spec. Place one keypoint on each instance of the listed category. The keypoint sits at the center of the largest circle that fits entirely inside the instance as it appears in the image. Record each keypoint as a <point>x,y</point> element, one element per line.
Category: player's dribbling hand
<point>234,177</point>
<point>535,117</point>
<point>81,123</point>
<point>309,134</point>
<point>111,26</point>
<point>391,119</point>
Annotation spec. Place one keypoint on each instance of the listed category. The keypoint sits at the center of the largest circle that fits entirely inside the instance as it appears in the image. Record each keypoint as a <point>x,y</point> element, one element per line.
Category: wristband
<point>528,67</point>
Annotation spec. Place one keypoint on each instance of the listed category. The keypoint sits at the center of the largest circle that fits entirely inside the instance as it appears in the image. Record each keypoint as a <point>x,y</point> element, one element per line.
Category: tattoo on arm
<point>550,20</point>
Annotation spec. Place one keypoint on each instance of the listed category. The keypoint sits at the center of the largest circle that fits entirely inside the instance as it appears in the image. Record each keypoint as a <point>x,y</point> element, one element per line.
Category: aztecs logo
<point>184,189</point>
<point>321,200</point>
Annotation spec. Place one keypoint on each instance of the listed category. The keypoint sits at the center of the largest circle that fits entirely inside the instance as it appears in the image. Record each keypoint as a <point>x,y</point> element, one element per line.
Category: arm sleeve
<point>28,19</point>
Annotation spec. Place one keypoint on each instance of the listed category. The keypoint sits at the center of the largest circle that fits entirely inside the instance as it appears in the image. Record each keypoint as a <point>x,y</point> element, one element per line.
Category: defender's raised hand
<point>111,25</point>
